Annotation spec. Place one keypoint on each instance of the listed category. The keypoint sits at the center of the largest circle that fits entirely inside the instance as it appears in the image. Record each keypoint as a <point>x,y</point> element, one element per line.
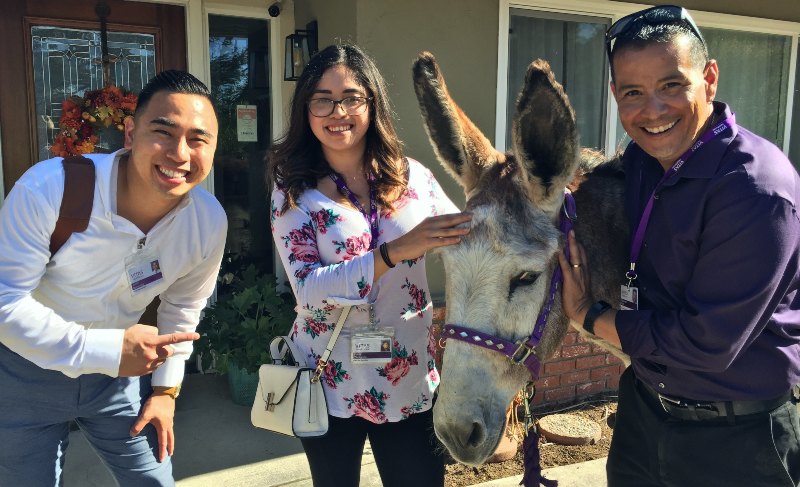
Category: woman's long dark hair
<point>296,162</point>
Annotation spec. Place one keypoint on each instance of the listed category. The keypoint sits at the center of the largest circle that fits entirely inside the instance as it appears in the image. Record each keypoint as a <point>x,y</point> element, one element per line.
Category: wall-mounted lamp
<point>300,46</point>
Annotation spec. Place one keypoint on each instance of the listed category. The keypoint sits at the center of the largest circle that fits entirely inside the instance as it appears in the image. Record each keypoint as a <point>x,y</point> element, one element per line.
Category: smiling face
<point>342,136</point>
<point>172,145</point>
<point>664,101</point>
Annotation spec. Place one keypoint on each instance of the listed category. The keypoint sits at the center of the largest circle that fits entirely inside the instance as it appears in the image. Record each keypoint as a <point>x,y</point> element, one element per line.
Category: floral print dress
<point>324,247</point>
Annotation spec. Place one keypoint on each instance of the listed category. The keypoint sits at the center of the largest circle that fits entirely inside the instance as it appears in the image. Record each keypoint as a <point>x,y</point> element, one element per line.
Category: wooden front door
<point>50,50</point>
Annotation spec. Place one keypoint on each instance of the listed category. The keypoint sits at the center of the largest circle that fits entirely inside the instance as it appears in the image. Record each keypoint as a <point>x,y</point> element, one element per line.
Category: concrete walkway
<point>217,446</point>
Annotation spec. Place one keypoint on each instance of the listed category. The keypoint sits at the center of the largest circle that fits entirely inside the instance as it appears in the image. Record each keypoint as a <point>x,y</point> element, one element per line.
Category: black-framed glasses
<point>660,14</point>
<point>352,105</point>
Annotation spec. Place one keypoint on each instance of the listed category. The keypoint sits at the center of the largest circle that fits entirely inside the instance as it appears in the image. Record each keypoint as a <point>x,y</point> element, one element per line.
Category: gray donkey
<point>499,276</point>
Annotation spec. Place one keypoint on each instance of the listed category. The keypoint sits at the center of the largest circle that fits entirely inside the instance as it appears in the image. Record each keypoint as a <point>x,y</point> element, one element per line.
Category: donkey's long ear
<point>458,143</point>
<point>545,137</point>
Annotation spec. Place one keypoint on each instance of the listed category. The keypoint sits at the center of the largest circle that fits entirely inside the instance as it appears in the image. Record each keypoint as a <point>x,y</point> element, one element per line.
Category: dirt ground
<point>459,475</point>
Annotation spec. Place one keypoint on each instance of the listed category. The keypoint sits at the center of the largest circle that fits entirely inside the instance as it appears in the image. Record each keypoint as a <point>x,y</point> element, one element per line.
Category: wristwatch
<point>596,310</point>
<point>172,392</point>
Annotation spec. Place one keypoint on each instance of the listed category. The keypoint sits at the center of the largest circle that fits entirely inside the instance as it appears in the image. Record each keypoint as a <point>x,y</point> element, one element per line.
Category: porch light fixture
<point>300,46</point>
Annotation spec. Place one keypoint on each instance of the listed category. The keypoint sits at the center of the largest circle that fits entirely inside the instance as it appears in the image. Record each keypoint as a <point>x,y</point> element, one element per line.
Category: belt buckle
<point>665,400</point>
<point>699,411</point>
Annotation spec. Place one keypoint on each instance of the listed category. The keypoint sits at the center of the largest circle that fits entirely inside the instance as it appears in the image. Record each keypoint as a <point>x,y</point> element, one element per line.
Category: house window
<point>753,78</point>
<point>574,47</point>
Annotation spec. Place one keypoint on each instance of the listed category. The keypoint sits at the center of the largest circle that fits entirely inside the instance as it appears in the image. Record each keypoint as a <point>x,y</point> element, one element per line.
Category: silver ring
<point>576,265</point>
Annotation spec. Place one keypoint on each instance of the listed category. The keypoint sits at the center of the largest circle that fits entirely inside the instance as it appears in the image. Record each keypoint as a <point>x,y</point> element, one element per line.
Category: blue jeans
<point>36,407</point>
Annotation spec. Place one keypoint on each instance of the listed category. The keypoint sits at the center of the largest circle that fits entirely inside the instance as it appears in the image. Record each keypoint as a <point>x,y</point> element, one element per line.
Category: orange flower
<point>81,117</point>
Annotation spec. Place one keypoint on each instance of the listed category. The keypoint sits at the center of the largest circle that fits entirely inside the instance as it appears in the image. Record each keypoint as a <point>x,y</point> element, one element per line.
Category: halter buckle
<point>521,354</point>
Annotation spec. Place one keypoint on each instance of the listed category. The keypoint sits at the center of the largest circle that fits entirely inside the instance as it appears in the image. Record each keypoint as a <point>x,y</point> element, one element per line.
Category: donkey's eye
<point>526,278</point>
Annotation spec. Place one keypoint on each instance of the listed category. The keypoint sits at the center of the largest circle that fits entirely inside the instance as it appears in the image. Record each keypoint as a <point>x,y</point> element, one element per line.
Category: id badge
<point>143,270</point>
<point>630,297</point>
<point>370,345</point>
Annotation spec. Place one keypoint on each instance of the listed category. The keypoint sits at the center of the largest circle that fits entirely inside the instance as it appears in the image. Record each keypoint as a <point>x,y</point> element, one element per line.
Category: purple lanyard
<point>638,238</point>
<point>372,216</point>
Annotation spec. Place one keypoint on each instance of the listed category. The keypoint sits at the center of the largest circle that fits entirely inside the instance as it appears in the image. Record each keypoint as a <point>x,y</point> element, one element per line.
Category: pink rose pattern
<point>433,376</point>
<point>303,244</point>
<point>400,364</point>
<point>315,323</point>
<point>401,202</point>
<point>274,213</point>
<point>324,219</point>
<point>363,287</point>
<point>419,299</point>
<point>415,407</point>
<point>375,394</point>
<point>353,246</point>
<point>334,374</point>
<point>370,405</point>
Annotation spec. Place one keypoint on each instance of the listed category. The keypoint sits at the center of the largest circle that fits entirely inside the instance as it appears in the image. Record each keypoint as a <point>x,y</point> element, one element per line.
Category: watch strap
<point>172,392</point>
<point>594,312</point>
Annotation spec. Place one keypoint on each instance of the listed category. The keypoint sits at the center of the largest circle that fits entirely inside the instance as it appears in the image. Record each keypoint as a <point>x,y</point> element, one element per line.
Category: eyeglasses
<point>352,105</point>
<point>661,14</point>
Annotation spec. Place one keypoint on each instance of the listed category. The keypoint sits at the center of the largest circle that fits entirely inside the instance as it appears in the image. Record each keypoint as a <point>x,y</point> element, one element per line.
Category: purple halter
<point>521,351</point>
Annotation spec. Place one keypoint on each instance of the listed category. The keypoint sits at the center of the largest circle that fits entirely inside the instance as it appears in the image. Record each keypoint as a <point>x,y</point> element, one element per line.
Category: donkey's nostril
<point>477,435</point>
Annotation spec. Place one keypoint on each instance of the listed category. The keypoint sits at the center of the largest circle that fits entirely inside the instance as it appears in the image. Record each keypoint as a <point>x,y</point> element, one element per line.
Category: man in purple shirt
<point>713,331</point>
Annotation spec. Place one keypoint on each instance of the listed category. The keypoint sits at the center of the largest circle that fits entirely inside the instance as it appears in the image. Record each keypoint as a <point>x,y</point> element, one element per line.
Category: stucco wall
<point>462,34</point>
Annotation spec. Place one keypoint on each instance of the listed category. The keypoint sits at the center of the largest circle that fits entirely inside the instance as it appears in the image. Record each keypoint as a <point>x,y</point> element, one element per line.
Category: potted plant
<point>236,330</point>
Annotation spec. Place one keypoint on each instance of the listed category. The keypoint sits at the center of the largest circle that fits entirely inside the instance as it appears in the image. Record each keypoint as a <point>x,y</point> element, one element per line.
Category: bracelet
<point>384,250</point>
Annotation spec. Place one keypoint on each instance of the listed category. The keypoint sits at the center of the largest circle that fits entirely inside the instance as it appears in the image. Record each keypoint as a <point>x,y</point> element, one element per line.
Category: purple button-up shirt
<point>719,270</point>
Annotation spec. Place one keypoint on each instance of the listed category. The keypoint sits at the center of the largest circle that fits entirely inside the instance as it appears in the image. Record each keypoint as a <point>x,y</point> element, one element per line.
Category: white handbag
<point>289,399</point>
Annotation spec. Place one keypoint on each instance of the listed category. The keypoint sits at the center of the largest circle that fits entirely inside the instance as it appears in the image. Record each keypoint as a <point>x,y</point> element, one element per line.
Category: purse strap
<point>323,359</point>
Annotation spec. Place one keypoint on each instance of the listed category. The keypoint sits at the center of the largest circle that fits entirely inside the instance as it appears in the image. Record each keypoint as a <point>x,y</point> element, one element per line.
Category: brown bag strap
<point>76,205</point>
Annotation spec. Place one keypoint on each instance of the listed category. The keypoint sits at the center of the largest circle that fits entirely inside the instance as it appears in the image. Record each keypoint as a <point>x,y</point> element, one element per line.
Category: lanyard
<point>638,237</point>
<point>372,216</point>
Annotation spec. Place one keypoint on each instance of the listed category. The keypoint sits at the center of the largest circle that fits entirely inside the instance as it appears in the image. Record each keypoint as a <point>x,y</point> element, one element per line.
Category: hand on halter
<point>576,296</point>
<point>431,233</point>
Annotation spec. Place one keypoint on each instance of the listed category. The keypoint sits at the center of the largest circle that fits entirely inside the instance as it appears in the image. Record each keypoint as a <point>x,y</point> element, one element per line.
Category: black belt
<point>690,410</point>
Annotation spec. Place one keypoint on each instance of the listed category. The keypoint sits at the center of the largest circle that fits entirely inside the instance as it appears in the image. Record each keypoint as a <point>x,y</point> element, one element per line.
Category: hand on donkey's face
<point>431,233</point>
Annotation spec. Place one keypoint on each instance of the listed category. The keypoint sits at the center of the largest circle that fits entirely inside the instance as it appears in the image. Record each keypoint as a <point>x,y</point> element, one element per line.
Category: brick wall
<point>578,370</point>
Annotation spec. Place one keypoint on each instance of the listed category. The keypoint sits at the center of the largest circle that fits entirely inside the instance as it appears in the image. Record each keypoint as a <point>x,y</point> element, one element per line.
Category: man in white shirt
<point>71,347</point>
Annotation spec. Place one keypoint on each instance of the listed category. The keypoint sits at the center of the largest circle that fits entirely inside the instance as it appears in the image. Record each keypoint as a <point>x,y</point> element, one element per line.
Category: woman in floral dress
<point>352,219</point>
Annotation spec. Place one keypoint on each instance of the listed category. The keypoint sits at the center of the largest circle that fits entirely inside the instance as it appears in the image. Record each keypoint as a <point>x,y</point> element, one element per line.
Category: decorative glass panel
<point>574,47</point>
<point>67,62</point>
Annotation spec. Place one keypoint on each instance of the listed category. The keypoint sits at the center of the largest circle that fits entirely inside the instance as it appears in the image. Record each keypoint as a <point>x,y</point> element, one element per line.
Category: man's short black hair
<point>648,34</point>
<point>171,81</point>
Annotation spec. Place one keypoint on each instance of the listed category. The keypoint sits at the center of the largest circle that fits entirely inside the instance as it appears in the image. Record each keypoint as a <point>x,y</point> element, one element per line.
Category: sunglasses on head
<point>661,14</point>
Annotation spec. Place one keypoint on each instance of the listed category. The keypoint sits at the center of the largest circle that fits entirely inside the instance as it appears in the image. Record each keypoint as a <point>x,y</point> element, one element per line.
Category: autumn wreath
<point>83,117</point>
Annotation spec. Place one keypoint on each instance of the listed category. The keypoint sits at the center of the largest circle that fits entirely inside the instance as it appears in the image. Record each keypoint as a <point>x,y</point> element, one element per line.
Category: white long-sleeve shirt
<point>69,313</point>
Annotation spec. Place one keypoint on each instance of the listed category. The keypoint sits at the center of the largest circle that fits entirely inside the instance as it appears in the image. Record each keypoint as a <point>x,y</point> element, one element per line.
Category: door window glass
<point>240,87</point>
<point>66,62</point>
